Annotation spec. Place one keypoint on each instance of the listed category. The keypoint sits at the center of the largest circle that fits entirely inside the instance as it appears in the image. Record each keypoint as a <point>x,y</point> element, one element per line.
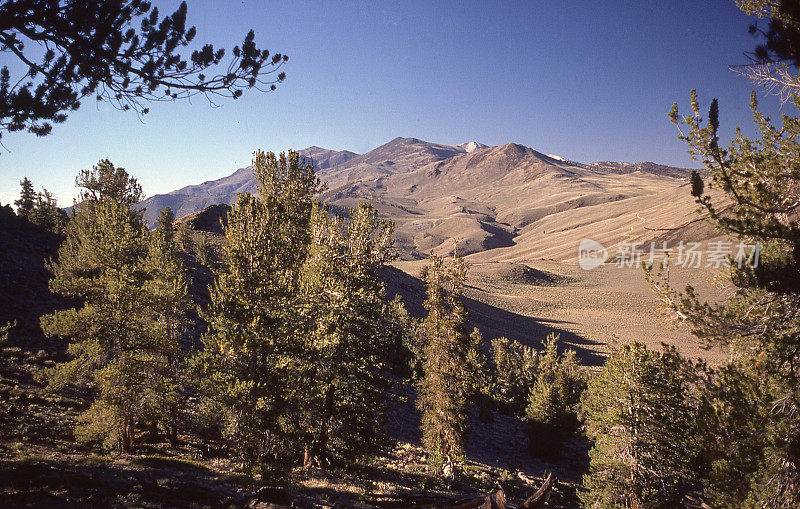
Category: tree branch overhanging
<point>120,52</point>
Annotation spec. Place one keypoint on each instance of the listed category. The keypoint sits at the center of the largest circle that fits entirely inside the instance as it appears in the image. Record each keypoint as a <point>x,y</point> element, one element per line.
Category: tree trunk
<point>172,430</point>
<point>126,443</point>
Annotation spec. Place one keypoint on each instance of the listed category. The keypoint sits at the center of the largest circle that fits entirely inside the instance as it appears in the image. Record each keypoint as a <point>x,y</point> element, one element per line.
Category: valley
<point>511,211</point>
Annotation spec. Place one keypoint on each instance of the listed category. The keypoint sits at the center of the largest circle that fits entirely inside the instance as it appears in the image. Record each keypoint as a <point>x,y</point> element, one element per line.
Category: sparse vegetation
<point>277,352</point>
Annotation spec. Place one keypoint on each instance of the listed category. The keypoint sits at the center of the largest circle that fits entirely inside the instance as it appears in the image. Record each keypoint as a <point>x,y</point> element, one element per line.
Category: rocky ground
<point>41,465</point>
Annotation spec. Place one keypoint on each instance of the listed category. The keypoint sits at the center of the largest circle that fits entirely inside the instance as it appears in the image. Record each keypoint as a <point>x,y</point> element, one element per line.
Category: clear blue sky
<point>587,80</point>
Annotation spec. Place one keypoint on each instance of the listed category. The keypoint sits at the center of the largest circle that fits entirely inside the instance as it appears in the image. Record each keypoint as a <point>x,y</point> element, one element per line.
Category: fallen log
<point>694,501</point>
<point>432,500</point>
<point>495,500</point>
<point>541,496</point>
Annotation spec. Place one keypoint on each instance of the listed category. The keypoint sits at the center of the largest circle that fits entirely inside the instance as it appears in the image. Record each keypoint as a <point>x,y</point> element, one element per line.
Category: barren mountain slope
<point>400,155</point>
<point>508,202</point>
<point>513,203</point>
<point>194,198</point>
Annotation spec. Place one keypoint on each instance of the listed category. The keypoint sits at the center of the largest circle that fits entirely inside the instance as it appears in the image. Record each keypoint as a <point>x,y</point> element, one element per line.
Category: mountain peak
<point>472,165</point>
<point>472,146</point>
<point>401,139</point>
<point>515,148</point>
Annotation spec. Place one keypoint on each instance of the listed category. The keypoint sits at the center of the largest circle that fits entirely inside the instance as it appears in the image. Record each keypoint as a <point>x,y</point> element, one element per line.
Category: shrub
<point>554,400</point>
<point>515,368</point>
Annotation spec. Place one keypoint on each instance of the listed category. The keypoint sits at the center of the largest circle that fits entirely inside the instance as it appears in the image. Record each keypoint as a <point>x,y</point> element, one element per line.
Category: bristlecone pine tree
<point>352,335</point>
<point>257,346</point>
<point>449,370</point>
<point>46,213</point>
<point>640,416</point>
<point>116,335</point>
<point>515,368</point>
<point>168,297</point>
<point>553,400</point>
<point>27,199</point>
<point>754,196</point>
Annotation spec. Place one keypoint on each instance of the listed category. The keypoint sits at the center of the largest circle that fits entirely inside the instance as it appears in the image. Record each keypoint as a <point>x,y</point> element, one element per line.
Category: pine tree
<point>255,350</point>
<point>554,399</point>
<point>166,289</point>
<point>116,335</point>
<point>100,262</point>
<point>755,198</point>
<point>640,415</point>
<point>445,390</point>
<point>27,199</point>
<point>515,367</point>
<point>119,51</point>
<point>352,334</point>
<point>735,435</point>
<point>46,213</point>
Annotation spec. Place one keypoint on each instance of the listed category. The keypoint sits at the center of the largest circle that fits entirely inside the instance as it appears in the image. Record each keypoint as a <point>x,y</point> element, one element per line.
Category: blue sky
<point>587,80</point>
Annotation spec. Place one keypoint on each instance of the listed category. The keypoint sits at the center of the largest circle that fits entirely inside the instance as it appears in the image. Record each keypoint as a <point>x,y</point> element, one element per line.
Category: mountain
<point>472,146</point>
<point>194,198</point>
<point>335,167</point>
<point>513,203</point>
<point>507,202</point>
<point>324,158</point>
<point>400,155</point>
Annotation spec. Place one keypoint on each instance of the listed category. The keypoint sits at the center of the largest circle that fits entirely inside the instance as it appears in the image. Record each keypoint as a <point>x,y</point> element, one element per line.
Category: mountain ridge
<point>481,198</point>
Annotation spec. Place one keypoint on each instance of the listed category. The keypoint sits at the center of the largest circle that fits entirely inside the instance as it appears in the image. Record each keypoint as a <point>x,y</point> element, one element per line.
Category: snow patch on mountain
<point>472,146</point>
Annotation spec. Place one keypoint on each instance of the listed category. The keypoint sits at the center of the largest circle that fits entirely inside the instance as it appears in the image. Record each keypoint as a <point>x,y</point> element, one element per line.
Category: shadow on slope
<point>24,291</point>
<point>493,321</point>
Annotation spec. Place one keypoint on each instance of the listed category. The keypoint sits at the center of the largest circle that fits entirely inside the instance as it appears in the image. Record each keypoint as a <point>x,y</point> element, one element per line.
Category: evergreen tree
<point>352,335</point>
<point>640,415</point>
<point>449,369</point>
<point>735,435</point>
<point>166,289</point>
<point>120,51</point>
<point>775,61</point>
<point>46,213</point>
<point>100,262</point>
<point>257,344</point>
<point>515,368</point>
<point>554,399</point>
<point>27,199</point>
<point>756,182</point>
<point>115,334</point>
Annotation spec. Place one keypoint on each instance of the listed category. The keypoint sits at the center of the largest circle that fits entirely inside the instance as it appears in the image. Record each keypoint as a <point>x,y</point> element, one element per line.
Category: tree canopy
<point>121,52</point>
<point>778,51</point>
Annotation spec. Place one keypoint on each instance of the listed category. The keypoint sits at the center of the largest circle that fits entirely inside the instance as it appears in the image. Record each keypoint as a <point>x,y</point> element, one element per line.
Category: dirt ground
<point>41,465</point>
<point>527,299</point>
